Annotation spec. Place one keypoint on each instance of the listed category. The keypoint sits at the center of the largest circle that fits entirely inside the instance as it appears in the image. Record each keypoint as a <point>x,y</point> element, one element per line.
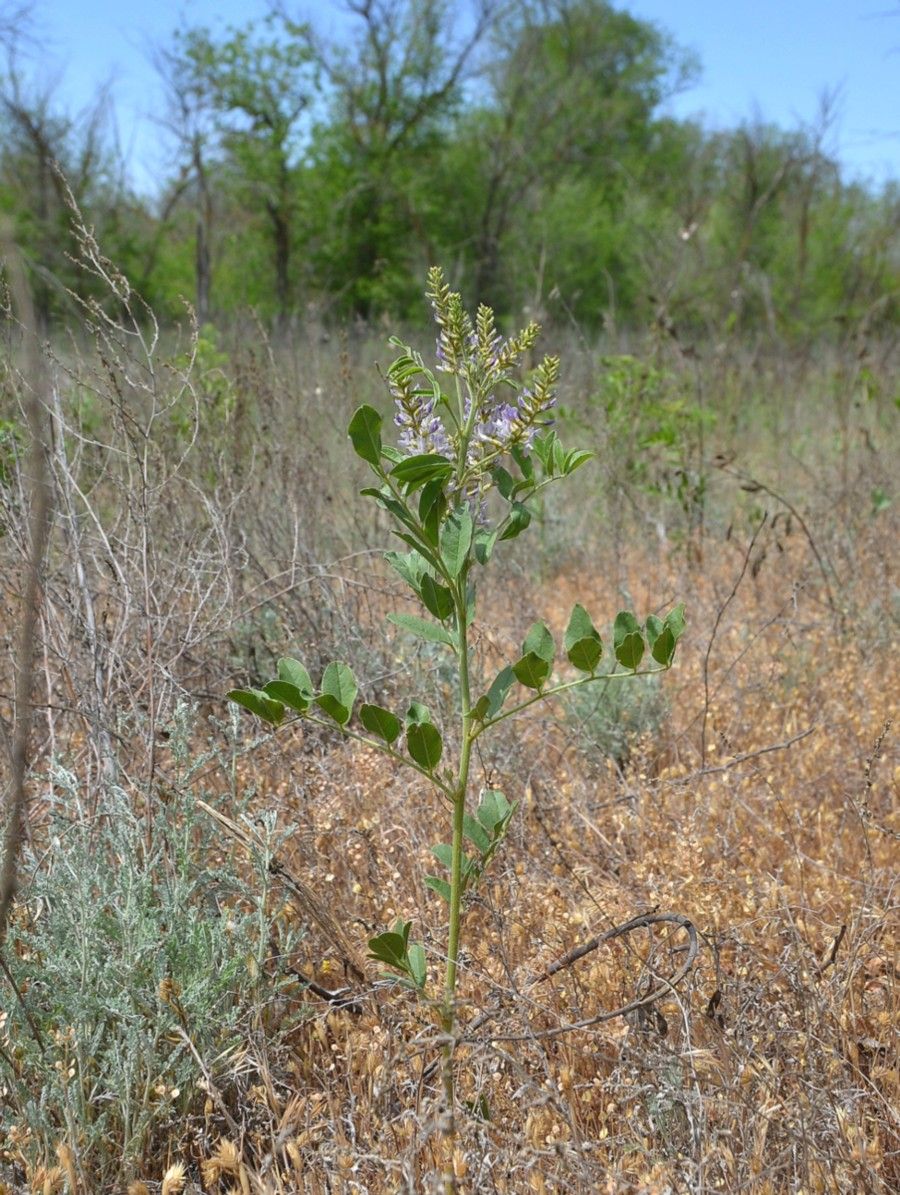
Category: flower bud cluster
<point>490,420</point>
<point>456,337</point>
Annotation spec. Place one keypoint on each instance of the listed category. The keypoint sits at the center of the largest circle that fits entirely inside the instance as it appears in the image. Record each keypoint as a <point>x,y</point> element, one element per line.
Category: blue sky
<point>766,57</point>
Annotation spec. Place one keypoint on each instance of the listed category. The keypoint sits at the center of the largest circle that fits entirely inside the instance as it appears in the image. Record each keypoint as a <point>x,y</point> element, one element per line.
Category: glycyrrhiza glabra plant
<point>474,447</point>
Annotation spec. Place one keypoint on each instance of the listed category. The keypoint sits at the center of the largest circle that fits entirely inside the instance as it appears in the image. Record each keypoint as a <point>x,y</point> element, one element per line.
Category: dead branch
<point>835,947</point>
<point>753,486</point>
<point>306,900</point>
<point>743,758</point>
<point>720,613</point>
<point>38,530</point>
<point>665,988</point>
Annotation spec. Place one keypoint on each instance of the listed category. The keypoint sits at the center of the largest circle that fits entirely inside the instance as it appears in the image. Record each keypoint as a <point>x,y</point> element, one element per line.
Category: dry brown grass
<point>774,1068</point>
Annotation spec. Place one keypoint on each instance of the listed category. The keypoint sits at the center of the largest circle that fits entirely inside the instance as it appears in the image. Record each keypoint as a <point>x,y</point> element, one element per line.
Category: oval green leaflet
<point>259,703</point>
<point>456,540</point>
<point>380,722</point>
<point>365,435</point>
<point>582,643</point>
<point>425,745</point>
<point>628,640</point>
<point>338,693</point>
<point>422,628</point>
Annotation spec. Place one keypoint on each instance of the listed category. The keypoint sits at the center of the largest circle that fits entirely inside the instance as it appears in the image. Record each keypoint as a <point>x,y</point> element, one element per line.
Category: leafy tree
<point>49,160</point>
<point>258,85</point>
<point>191,121</point>
<point>393,91</point>
<point>571,95</point>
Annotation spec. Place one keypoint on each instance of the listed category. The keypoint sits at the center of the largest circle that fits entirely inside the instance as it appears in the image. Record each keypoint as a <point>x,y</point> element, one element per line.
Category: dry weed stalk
<point>37,506</point>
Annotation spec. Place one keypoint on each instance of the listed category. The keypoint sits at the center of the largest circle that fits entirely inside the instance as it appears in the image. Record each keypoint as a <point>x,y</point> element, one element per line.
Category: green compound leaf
<point>415,471</point>
<point>539,642</point>
<point>518,519</point>
<point>476,833</point>
<point>484,544</point>
<point>471,602</point>
<point>663,649</point>
<point>432,506</point>
<point>389,503</point>
<point>415,542</point>
<point>574,460</point>
<point>259,703</point>
<point>557,459</point>
<point>443,852</point>
<point>531,671</point>
<point>628,640</point>
<point>421,628</point>
<point>441,887</point>
<point>523,460</point>
<point>675,621</point>
<point>380,722</point>
<point>653,628</point>
<point>289,695</point>
<point>491,703</point>
<point>582,643</point>
<point>365,434</point>
<point>504,481</point>
<point>339,691</point>
<point>425,745</point>
<point>389,948</point>
<point>663,636</point>
<point>543,448</point>
<point>408,565</point>
<point>456,540</point>
<point>436,598</point>
<point>294,673</point>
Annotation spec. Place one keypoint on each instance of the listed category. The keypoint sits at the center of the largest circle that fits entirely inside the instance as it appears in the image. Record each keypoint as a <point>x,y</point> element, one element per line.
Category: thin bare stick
<point>752,485</point>
<point>866,811</point>
<point>665,988</point>
<point>308,902</point>
<point>38,529</point>
<point>712,638</point>
<point>642,921</point>
<point>835,947</point>
<point>742,758</point>
<point>32,1024</point>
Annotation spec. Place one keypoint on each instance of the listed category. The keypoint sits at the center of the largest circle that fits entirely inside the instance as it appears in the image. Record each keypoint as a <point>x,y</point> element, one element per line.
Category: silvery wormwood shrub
<point>474,448</point>
<point>142,974</point>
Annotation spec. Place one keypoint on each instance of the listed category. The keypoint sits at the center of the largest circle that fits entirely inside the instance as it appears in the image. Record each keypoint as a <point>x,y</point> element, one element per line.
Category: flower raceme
<point>490,415</point>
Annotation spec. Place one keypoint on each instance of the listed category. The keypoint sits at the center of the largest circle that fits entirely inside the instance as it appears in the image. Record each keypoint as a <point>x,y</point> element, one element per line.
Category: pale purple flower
<point>421,428</point>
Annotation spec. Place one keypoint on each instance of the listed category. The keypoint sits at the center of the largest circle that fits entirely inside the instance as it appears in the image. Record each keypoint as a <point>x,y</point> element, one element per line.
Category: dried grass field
<point>168,1017</point>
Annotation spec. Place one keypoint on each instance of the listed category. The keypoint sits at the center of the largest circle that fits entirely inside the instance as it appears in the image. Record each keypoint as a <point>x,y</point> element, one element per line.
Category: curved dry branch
<point>306,900</point>
<point>664,988</point>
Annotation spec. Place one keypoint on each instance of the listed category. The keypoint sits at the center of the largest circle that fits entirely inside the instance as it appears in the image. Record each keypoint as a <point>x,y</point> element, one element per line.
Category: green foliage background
<point>524,145</point>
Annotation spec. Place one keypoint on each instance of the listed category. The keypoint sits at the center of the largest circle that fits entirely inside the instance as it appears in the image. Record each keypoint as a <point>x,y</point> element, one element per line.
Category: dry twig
<point>38,529</point>
<point>308,902</point>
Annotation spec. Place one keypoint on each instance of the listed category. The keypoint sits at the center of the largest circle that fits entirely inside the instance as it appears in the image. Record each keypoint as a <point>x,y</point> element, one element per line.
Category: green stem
<point>544,694</point>
<point>448,1010</point>
<point>384,748</point>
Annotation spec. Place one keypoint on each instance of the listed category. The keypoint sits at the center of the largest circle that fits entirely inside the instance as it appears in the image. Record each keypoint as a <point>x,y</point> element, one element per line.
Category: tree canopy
<point>526,145</point>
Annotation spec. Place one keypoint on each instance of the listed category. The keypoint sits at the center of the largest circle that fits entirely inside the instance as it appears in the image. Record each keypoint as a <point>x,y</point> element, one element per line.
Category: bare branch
<point>38,529</point>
